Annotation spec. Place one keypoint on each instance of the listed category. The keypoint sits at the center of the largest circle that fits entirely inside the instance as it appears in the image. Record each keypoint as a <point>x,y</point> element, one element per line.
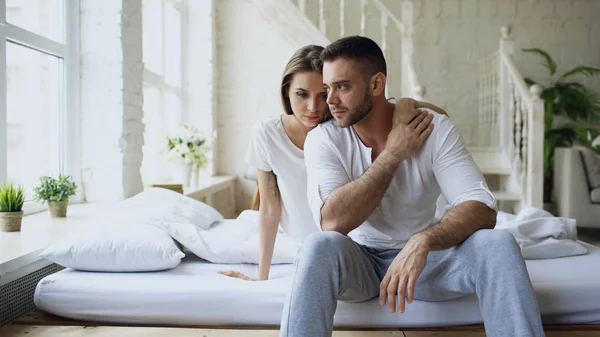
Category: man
<point>373,182</point>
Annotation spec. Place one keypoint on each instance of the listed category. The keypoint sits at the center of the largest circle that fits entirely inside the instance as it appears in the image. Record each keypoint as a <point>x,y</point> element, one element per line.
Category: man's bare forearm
<point>457,225</point>
<point>350,205</point>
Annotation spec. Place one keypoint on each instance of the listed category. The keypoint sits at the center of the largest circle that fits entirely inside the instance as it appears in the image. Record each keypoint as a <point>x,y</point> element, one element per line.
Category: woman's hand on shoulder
<point>432,107</point>
<point>405,111</point>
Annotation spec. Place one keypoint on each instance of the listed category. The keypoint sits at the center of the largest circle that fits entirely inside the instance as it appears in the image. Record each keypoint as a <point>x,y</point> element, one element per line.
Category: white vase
<point>195,177</point>
<point>183,174</point>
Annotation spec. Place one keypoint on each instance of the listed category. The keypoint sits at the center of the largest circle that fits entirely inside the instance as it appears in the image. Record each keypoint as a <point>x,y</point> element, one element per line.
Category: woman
<point>276,150</point>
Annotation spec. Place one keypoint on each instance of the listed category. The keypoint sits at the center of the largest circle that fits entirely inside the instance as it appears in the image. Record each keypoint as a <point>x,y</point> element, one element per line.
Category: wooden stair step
<point>491,160</point>
<point>506,196</point>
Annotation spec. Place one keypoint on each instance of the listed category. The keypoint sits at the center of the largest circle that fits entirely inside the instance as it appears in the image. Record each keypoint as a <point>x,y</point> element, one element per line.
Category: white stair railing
<point>512,118</point>
<point>409,85</point>
<point>487,131</point>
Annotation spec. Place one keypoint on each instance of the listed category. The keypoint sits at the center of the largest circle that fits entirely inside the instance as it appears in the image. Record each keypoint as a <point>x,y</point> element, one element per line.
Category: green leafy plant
<point>54,189</point>
<point>571,99</point>
<point>12,198</point>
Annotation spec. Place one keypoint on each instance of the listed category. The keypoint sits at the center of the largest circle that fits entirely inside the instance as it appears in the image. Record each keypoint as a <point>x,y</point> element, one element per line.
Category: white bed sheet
<point>568,291</point>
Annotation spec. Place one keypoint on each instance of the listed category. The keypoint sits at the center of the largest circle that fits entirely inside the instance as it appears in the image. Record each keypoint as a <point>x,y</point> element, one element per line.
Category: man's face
<point>348,94</point>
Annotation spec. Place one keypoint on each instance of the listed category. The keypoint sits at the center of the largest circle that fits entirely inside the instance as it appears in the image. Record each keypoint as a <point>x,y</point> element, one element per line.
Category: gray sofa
<point>577,185</point>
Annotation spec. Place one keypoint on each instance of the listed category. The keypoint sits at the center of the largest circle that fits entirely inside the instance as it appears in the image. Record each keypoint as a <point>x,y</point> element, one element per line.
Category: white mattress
<point>568,291</point>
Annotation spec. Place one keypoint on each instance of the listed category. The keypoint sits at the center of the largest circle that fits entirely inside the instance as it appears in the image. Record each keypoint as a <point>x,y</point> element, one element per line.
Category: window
<point>42,17</point>
<point>163,84</point>
<point>38,50</point>
<point>172,46</point>
<point>33,99</point>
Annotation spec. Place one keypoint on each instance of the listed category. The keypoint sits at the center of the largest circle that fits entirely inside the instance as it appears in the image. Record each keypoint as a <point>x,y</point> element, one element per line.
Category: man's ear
<point>377,84</point>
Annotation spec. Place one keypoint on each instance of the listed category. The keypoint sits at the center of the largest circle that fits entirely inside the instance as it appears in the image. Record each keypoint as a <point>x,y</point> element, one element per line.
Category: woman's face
<point>308,98</point>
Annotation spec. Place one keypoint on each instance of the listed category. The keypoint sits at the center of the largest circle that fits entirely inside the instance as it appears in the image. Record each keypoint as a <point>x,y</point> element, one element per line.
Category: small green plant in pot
<point>56,192</point>
<point>12,198</point>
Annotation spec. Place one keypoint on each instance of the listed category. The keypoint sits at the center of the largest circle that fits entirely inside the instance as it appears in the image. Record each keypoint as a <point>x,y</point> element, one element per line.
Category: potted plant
<point>570,99</point>
<point>11,207</point>
<point>189,151</point>
<point>56,192</point>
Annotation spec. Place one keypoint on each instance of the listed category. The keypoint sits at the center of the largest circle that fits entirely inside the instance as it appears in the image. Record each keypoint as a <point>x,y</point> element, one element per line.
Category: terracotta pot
<point>58,209</point>
<point>11,221</point>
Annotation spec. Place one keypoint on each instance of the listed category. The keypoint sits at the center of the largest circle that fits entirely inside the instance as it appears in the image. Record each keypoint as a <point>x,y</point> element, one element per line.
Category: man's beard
<point>358,113</point>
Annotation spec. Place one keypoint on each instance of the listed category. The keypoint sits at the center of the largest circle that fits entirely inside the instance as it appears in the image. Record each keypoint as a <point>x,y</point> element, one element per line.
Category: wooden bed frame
<point>45,324</point>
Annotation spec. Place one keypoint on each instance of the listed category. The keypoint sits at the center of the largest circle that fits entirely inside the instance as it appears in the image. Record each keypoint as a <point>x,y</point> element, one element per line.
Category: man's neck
<point>375,127</point>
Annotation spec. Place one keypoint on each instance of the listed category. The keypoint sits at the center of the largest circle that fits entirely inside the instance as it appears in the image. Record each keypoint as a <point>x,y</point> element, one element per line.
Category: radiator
<point>16,296</point>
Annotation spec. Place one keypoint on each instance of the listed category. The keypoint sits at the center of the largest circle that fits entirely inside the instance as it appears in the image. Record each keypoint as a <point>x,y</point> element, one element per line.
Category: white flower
<point>185,145</point>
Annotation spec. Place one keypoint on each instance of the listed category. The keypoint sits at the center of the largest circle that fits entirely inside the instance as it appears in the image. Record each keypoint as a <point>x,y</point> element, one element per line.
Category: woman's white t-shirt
<point>272,150</point>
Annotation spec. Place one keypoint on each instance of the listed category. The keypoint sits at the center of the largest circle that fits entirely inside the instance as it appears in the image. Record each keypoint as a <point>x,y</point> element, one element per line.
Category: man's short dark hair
<point>360,49</point>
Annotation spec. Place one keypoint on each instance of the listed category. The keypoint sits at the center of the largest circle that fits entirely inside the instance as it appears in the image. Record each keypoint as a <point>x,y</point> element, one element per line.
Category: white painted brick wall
<point>111,98</point>
<point>448,46</point>
<point>251,55</point>
<point>451,36</point>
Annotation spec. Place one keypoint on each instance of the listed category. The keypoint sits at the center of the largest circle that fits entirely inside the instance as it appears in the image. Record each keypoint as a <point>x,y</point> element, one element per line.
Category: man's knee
<point>322,245</point>
<point>496,243</point>
<point>322,241</point>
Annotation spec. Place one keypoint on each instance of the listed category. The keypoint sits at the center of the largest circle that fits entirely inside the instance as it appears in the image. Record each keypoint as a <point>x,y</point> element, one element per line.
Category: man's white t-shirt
<point>336,156</point>
<point>272,150</point>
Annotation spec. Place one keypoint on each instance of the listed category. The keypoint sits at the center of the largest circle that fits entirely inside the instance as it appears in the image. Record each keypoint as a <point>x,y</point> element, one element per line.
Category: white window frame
<point>70,148</point>
<point>157,81</point>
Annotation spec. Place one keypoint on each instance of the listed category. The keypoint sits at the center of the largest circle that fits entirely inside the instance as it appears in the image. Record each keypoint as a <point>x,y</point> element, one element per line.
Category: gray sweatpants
<point>332,267</point>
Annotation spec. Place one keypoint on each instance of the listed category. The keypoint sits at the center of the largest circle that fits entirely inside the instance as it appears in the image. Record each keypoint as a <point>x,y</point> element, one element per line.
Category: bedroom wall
<point>450,37</point>
<point>111,99</point>
<point>251,56</point>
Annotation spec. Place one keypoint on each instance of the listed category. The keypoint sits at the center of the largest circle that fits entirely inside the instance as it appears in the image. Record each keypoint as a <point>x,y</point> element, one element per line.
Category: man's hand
<point>403,273</point>
<point>236,274</point>
<point>406,138</point>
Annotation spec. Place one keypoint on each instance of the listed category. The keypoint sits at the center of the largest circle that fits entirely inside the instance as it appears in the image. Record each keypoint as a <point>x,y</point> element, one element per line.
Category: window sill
<point>38,231</point>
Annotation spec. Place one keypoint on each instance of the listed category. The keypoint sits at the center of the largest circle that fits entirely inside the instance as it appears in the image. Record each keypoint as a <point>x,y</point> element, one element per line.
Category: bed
<point>193,294</point>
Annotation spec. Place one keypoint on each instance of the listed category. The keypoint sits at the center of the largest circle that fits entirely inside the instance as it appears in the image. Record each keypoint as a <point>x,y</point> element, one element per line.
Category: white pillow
<point>231,241</point>
<point>159,204</point>
<point>132,248</point>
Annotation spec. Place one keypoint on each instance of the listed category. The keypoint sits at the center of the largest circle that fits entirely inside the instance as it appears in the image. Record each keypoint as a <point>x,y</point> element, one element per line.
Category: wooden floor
<point>40,324</point>
<point>116,331</point>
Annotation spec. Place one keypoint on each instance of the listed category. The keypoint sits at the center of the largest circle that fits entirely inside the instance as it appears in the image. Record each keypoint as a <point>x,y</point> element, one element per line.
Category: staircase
<point>508,146</point>
<point>510,131</point>
<point>304,22</point>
